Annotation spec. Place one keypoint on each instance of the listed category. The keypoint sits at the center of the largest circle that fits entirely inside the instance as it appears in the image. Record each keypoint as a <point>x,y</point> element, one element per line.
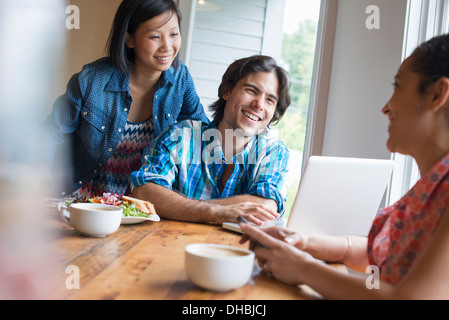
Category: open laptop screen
<point>339,196</point>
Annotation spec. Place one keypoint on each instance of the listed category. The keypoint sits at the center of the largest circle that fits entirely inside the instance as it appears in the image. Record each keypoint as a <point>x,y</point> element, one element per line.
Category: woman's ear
<point>440,94</point>
<point>129,41</point>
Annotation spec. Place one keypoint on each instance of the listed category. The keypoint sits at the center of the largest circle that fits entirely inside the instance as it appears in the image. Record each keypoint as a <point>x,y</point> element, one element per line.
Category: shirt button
<point>85,113</point>
<point>155,118</point>
<point>103,127</point>
<point>155,97</point>
<point>80,182</point>
<point>95,171</point>
<point>168,115</point>
<point>63,193</point>
<point>110,149</point>
<point>100,164</point>
<point>119,130</point>
<point>146,169</point>
<point>126,109</point>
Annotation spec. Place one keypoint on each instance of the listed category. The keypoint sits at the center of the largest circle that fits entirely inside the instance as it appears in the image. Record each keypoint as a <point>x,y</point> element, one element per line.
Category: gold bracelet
<point>348,249</point>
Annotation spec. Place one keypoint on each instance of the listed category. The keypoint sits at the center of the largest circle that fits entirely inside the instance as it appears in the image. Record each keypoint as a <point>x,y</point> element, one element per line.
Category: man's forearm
<point>270,204</point>
<point>171,205</point>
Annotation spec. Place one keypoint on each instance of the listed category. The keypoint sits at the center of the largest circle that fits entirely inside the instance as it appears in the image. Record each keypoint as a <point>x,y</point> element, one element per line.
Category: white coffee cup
<point>218,267</point>
<point>92,219</point>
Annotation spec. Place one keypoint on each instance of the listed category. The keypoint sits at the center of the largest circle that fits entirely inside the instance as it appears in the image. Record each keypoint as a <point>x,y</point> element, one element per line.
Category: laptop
<point>338,196</point>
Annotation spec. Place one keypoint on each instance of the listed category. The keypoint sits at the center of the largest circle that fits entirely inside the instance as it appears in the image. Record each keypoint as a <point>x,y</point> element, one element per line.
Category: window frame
<point>321,78</point>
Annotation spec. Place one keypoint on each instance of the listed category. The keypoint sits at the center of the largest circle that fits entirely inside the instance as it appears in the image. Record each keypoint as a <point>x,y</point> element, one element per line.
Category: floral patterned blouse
<point>402,231</point>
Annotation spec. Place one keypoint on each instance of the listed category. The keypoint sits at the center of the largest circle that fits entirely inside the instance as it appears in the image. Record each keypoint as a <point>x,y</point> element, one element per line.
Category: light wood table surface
<point>145,261</point>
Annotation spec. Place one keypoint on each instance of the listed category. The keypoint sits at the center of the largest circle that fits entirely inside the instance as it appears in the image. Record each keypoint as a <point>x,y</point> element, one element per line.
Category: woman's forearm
<point>338,249</point>
<point>333,284</point>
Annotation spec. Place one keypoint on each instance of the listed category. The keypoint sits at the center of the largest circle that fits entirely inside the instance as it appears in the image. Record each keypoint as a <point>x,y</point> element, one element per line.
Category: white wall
<point>223,31</point>
<point>87,43</point>
<point>363,67</point>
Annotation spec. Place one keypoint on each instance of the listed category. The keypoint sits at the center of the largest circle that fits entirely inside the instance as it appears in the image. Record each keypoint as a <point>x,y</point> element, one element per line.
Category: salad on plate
<point>134,210</point>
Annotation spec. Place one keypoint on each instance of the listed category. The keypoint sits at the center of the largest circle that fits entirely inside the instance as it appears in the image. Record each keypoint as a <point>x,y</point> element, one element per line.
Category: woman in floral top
<point>408,245</point>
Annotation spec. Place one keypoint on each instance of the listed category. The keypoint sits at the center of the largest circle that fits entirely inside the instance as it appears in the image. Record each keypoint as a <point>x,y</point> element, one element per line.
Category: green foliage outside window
<point>298,53</point>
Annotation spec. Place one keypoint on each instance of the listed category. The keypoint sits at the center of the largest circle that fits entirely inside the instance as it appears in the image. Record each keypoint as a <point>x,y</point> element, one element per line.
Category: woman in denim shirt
<point>103,126</point>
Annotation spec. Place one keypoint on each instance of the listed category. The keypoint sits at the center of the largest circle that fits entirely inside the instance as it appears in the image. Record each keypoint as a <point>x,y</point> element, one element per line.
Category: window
<point>298,52</point>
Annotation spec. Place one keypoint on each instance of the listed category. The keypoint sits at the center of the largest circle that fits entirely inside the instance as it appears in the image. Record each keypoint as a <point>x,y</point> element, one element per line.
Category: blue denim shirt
<point>86,123</point>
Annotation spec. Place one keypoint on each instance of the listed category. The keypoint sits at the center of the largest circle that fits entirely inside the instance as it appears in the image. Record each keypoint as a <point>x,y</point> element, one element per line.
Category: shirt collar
<point>168,75</point>
<point>119,81</point>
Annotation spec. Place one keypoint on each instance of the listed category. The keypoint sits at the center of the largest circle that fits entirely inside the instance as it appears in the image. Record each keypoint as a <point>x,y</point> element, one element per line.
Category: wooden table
<point>145,261</point>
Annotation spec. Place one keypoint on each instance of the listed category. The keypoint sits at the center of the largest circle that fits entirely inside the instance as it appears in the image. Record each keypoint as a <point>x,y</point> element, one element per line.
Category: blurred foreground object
<point>32,36</point>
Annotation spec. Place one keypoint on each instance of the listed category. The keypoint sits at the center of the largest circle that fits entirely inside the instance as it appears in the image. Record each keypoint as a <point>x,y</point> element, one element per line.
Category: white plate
<point>134,220</point>
<point>131,220</point>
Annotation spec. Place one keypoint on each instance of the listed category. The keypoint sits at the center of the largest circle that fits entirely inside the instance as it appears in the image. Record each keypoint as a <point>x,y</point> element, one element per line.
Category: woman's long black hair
<point>130,15</point>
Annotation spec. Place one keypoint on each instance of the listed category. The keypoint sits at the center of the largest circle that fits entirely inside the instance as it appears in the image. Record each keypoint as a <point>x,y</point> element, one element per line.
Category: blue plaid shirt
<point>87,122</point>
<point>188,158</point>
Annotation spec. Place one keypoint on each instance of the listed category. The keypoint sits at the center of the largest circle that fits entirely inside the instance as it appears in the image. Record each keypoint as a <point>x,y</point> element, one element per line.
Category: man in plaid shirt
<point>216,172</point>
